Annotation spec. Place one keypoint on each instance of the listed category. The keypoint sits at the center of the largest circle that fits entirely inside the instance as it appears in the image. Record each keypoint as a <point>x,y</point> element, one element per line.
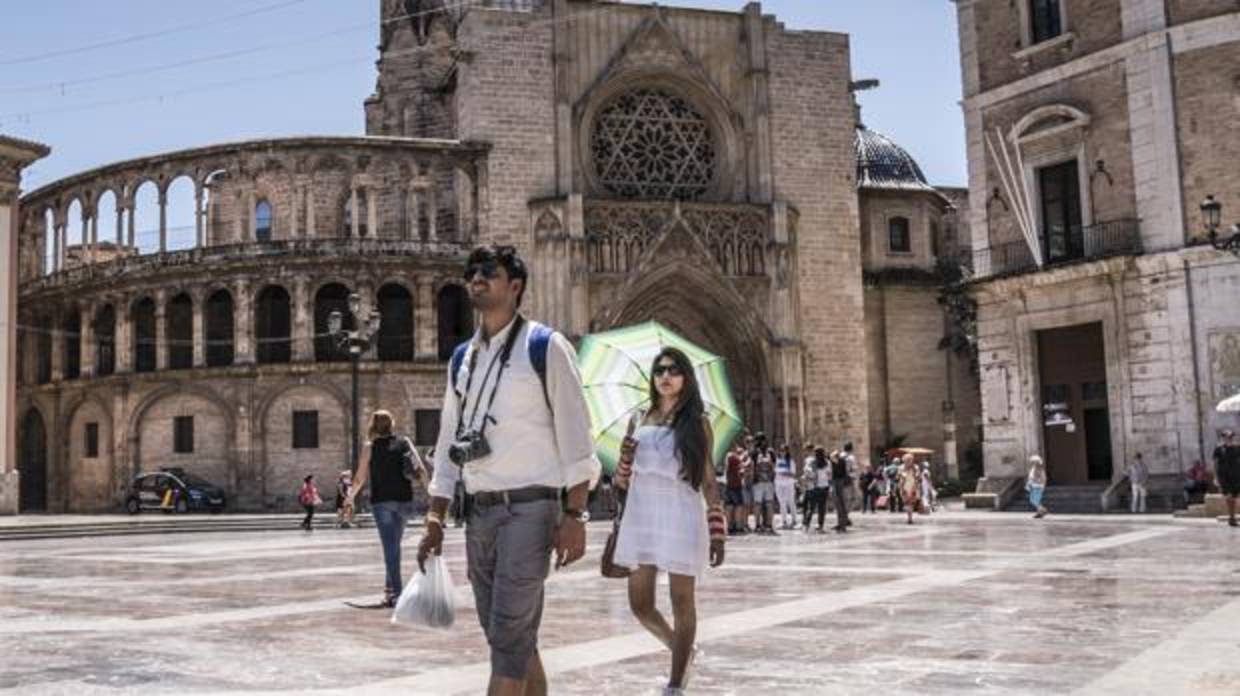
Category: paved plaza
<point>960,603</point>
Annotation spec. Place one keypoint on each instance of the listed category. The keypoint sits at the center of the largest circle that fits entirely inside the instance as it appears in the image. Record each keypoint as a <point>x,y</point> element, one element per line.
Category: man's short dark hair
<point>508,258</point>
<point>848,447</point>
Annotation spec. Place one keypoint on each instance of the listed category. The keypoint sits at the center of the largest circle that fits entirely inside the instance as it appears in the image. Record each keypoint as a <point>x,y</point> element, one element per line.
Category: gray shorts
<point>763,493</point>
<point>508,549</point>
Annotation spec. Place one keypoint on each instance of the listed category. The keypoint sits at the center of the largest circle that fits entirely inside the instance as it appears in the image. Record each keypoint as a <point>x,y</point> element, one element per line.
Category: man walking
<point>762,460</point>
<point>1227,472</point>
<point>516,429</point>
<point>1138,477</point>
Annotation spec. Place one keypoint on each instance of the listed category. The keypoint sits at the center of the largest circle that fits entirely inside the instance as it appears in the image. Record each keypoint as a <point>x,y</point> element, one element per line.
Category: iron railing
<point>1081,243</point>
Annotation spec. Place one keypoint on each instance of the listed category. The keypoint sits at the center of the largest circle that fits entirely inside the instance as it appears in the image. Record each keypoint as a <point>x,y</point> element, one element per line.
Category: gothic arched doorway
<point>32,463</point>
<point>698,307</point>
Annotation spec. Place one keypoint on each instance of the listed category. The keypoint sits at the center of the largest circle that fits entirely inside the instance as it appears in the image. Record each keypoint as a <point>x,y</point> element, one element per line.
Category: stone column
<point>250,204</point>
<point>311,230</point>
<point>366,291</point>
<point>132,232</point>
<point>90,225</point>
<point>124,336</point>
<point>200,328</point>
<point>425,320</point>
<point>372,213</point>
<point>14,156</point>
<point>87,322</point>
<point>199,223</point>
<point>163,221</point>
<point>353,212</point>
<point>243,323</point>
<point>161,330</point>
<point>303,322</point>
<point>120,225</point>
<point>57,322</point>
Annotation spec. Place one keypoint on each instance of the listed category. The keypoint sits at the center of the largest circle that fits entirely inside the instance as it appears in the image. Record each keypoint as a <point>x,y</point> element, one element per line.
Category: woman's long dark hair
<point>687,424</point>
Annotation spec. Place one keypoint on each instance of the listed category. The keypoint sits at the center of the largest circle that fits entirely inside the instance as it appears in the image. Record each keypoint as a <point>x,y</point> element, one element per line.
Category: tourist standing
<point>762,460</point>
<point>840,484</point>
<point>869,488</point>
<point>309,499</point>
<point>1035,484</point>
<point>734,491</point>
<point>851,493</point>
<point>909,483</point>
<point>818,484</point>
<point>1227,471</point>
<point>390,464</point>
<point>344,508</point>
<point>786,487</point>
<point>673,520</point>
<point>517,436</point>
<point>1138,478</point>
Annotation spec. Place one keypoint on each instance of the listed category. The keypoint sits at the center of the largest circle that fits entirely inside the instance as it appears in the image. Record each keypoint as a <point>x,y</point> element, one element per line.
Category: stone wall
<point>1003,51</point>
<point>1185,11</point>
<point>812,127</point>
<point>1207,104</point>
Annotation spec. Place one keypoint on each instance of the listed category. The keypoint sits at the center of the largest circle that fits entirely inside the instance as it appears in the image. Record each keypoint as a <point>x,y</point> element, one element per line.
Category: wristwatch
<point>581,516</point>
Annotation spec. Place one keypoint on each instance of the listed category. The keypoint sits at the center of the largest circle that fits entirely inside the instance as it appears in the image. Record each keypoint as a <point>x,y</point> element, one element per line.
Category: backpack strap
<point>540,341</point>
<point>458,359</point>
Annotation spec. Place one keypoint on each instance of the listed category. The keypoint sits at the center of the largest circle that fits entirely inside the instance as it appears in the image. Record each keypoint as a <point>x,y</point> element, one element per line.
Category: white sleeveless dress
<point>664,523</point>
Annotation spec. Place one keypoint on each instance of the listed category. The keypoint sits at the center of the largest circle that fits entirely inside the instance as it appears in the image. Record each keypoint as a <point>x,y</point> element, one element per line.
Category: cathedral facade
<point>704,169</point>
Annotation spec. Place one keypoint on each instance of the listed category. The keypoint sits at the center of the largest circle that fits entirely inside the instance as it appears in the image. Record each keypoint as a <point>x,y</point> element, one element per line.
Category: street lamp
<point>356,341</point>
<point>1212,216</point>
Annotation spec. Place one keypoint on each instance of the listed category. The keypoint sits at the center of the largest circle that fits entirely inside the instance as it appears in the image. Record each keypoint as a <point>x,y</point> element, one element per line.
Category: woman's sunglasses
<point>669,370</point>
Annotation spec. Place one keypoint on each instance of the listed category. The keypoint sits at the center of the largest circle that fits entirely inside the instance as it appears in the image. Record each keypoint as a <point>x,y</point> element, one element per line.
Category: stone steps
<point>173,525</point>
<point>1064,499</point>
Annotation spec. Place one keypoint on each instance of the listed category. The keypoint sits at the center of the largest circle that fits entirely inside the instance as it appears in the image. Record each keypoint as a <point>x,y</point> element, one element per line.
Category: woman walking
<point>673,520</point>
<point>1036,485</point>
<point>309,498</point>
<point>910,486</point>
<point>817,486</point>
<point>786,488</point>
<point>390,464</point>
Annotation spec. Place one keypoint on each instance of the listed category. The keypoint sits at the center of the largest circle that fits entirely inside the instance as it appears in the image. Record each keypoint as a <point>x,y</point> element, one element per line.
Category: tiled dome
<point>882,164</point>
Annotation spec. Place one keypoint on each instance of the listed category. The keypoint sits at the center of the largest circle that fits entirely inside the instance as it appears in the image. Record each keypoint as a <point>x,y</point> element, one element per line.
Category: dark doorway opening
<point>32,450</point>
<point>1075,414</point>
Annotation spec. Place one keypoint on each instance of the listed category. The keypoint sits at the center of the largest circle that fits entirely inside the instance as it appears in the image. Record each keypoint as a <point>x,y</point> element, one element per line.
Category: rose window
<point>651,144</point>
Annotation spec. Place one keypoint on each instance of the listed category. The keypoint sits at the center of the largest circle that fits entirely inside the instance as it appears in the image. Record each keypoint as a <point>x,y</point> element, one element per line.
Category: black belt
<point>528,494</point>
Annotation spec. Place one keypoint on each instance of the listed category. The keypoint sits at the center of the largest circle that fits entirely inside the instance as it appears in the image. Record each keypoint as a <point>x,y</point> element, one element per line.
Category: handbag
<point>607,565</point>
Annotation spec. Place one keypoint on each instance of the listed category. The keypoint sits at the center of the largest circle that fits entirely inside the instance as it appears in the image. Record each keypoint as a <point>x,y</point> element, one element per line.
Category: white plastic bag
<point>429,600</point>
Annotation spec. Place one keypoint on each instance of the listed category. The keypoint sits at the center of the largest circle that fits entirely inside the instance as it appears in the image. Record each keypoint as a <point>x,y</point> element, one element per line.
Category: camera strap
<point>502,358</point>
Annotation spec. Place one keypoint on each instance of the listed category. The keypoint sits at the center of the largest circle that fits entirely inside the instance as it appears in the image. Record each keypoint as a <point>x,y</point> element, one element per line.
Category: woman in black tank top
<point>391,493</point>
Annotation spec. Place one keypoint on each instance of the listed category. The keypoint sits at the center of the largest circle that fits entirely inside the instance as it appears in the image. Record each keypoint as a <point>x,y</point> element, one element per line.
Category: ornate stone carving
<point>648,143</point>
<point>617,234</point>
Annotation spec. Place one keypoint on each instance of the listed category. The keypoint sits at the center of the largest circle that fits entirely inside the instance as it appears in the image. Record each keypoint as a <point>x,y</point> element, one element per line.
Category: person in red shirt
<point>734,493</point>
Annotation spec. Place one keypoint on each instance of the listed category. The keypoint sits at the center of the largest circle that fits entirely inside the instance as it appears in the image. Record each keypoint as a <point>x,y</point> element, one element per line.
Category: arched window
<point>142,318</point>
<point>649,143</point>
<point>273,326</point>
<point>456,319</point>
<point>179,326</point>
<point>72,337</point>
<point>262,221</point>
<point>395,323</point>
<point>898,236</point>
<point>219,329</point>
<point>333,297</point>
<point>105,341</point>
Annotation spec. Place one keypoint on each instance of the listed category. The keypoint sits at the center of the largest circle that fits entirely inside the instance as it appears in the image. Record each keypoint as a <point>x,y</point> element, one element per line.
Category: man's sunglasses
<point>488,269</point>
<point>669,370</point>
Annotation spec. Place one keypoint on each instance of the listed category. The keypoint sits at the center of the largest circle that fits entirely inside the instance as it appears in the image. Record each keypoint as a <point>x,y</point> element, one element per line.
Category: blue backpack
<point>540,339</point>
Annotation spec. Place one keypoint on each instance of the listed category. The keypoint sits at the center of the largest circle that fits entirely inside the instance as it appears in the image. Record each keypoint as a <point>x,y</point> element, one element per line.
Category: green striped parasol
<point>615,371</point>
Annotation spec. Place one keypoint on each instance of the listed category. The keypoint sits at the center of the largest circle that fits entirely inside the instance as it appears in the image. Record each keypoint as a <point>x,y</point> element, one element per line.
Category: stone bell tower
<point>415,95</point>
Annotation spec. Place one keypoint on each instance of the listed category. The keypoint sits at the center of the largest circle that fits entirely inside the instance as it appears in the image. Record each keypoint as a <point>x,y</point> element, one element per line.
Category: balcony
<point>1081,244</point>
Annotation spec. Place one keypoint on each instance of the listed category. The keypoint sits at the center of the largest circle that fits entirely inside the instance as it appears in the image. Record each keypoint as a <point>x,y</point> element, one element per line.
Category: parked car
<point>173,490</point>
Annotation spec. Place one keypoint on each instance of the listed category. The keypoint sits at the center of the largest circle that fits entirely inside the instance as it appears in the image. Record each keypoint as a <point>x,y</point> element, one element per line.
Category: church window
<point>1046,22</point>
<point>262,221</point>
<point>648,143</point>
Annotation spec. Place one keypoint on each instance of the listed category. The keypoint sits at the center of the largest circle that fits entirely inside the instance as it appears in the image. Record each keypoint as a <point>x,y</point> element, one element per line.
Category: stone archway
<point>700,306</point>
<point>32,463</point>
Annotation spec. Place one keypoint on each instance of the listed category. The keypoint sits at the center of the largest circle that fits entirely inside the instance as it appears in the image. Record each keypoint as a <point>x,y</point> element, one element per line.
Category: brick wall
<point>1207,92</point>
<point>1096,24</point>
<point>1184,11</point>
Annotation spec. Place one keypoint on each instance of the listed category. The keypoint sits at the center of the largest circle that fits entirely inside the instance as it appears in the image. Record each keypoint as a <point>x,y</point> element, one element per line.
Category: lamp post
<point>356,341</point>
<point>1212,217</point>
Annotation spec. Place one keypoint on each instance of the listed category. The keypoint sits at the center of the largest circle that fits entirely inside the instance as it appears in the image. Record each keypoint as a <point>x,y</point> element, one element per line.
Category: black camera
<point>469,447</point>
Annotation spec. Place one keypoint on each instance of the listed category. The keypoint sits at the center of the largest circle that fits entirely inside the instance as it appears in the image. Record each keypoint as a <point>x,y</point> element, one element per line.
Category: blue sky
<point>90,80</point>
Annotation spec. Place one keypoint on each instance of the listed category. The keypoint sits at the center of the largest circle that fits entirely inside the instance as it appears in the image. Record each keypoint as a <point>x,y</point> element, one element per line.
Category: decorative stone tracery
<point>648,143</point>
<point>617,234</point>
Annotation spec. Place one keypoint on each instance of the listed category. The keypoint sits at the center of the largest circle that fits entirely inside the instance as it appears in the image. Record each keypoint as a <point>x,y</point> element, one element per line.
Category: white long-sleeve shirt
<point>530,446</point>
